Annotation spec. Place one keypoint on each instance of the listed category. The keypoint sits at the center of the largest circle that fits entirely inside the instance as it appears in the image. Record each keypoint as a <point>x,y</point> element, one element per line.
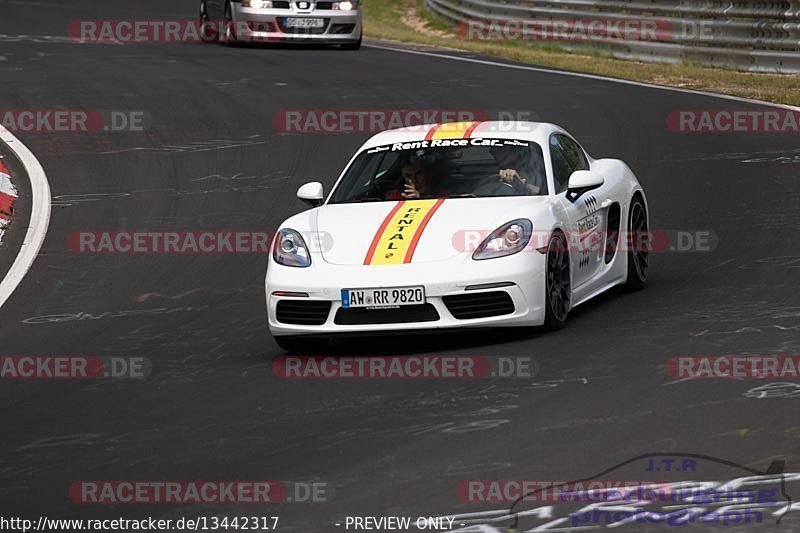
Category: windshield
<point>444,168</point>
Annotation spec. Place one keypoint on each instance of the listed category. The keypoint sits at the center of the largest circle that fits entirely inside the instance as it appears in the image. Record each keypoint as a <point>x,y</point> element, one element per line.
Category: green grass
<point>383,19</point>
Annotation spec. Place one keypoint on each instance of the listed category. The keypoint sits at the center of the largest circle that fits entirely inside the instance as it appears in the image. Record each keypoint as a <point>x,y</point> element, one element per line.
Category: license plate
<point>305,23</point>
<point>388,298</point>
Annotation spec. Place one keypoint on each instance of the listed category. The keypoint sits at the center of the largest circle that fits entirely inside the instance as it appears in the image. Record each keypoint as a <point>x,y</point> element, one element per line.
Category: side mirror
<point>581,181</point>
<point>311,193</point>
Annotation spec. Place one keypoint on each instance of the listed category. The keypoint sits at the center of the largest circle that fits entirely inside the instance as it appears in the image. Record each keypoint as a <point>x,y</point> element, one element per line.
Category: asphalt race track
<point>212,409</point>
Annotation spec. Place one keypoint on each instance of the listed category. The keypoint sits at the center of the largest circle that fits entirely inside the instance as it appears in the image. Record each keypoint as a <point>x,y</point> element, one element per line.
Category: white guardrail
<point>751,35</point>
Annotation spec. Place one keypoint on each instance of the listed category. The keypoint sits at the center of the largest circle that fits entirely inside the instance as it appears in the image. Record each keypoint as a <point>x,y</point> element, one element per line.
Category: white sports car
<point>460,225</point>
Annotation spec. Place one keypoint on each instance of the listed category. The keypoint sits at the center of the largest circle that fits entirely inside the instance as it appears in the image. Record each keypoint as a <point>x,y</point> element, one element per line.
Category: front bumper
<point>270,25</point>
<point>522,273</point>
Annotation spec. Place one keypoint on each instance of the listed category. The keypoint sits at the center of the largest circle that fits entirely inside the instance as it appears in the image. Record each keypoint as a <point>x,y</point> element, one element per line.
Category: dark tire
<point>352,46</point>
<point>638,246</point>
<point>206,34</point>
<point>229,37</point>
<point>558,283</point>
<point>300,345</point>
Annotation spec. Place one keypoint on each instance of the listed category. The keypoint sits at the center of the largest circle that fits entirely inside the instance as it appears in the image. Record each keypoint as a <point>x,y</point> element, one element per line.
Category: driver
<point>416,182</point>
<point>515,169</point>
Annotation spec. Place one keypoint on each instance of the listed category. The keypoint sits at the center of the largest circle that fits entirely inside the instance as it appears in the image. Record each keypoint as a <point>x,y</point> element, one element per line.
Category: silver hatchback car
<point>309,21</point>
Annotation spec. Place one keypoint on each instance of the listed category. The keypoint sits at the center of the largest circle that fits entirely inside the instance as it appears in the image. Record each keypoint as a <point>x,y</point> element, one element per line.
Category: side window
<point>567,157</point>
<point>573,152</point>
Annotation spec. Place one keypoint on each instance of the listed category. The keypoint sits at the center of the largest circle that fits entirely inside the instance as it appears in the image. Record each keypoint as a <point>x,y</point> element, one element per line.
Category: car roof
<point>529,131</point>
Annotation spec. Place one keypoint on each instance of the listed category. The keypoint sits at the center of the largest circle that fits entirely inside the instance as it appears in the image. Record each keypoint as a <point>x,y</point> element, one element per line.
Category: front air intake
<point>400,315</point>
<point>479,304</point>
<point>303,312</point>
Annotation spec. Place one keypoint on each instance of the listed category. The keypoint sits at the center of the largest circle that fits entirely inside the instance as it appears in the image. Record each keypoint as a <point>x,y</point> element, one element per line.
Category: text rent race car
<point>260,21</point>
<point>514,226</point>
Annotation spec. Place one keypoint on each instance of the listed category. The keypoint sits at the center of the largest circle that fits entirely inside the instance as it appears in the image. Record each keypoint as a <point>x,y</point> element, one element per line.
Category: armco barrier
<point>757,36</point>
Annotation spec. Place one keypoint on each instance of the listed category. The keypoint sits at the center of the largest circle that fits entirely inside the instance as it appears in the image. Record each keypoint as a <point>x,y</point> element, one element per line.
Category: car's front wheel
<point>558,282</point>
<point>638,246</point>
<point>207,30</point>
<point>229,29</point>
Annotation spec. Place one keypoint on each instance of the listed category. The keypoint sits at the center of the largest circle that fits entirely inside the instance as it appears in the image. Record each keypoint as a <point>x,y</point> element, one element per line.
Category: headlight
<point>290,249</point>
<point>508,239</point>
<point>257,4</point>
<point>345,6</point>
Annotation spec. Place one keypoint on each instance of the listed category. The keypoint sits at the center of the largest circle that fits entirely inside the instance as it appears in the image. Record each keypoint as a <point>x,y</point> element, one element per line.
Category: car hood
<point>439,230</point>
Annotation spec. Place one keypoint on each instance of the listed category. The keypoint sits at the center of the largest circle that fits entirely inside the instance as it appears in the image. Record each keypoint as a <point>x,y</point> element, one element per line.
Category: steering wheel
<point>494,186</point>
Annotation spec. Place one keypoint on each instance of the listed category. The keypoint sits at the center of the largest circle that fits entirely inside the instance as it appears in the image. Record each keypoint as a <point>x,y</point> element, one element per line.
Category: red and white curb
<point>8,195</point>
<point>40,214</point>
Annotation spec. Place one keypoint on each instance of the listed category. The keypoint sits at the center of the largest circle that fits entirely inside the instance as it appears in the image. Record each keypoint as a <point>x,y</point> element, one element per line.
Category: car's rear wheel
<point>638,246</point>
<point>558,282</point>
